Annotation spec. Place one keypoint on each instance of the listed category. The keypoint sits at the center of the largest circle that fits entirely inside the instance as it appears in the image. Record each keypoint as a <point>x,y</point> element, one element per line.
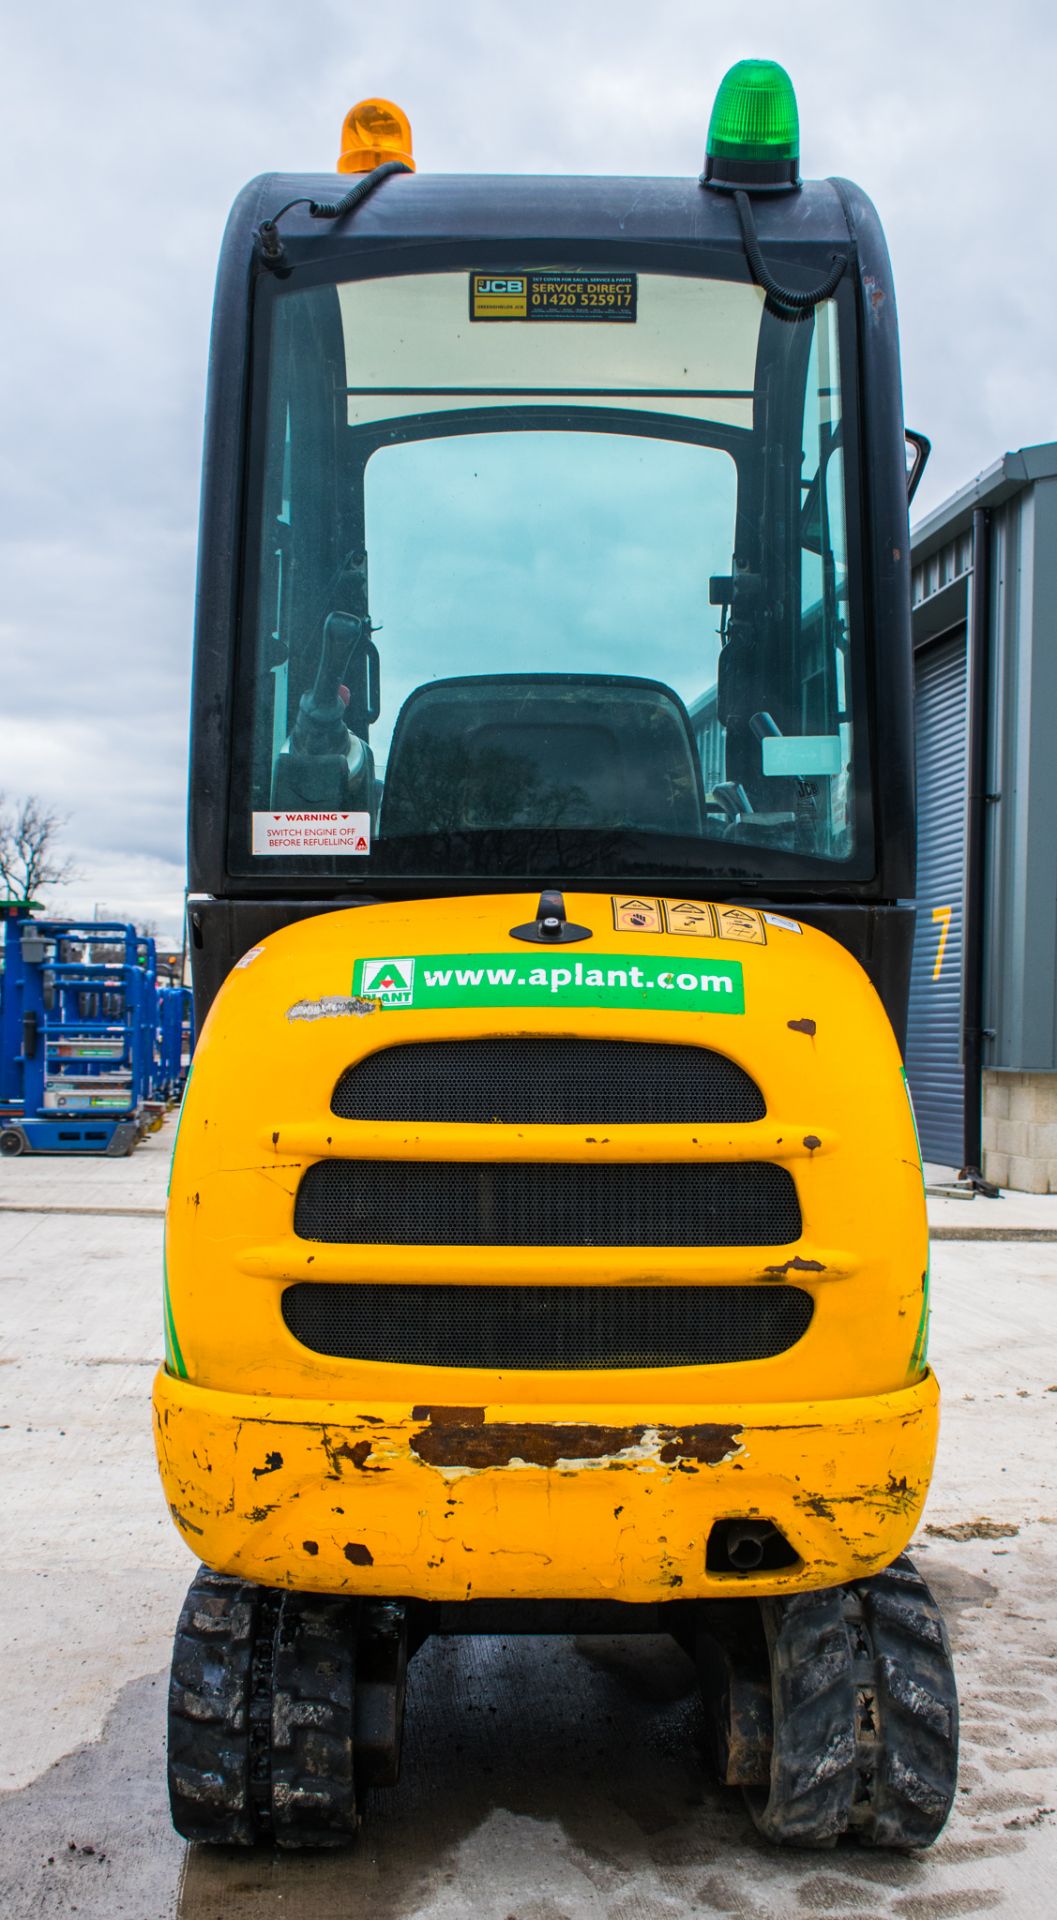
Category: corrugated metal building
<point>982,1036</point>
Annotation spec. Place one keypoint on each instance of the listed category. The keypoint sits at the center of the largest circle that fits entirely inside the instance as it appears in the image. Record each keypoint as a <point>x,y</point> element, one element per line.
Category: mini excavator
<point>546,1246</point>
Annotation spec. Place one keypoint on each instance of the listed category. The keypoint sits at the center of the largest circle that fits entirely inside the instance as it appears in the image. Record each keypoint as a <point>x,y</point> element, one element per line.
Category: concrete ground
<point>543,1780</point>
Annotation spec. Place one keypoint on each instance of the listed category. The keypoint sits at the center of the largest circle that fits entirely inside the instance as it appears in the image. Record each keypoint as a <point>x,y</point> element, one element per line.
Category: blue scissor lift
<point>175,1039</point>
<point>80,1047</point>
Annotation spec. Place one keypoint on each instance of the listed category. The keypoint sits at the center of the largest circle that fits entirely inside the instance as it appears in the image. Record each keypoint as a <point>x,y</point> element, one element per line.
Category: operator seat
<point>530,750</point>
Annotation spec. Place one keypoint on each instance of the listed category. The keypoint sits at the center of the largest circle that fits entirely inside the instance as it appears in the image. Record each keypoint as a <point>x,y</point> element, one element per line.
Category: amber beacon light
<point>372,132</point>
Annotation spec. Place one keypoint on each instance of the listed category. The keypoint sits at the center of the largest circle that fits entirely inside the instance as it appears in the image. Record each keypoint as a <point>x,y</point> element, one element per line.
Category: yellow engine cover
<point>303,1468</point>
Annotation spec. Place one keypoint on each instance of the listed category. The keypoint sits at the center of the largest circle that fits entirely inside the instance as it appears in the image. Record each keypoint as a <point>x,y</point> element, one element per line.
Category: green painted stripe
<point>914,1118</point>
<point>179,1124</point>
<point>921,1343</point>
<point>170,1366</point>
<point>174,1359</point>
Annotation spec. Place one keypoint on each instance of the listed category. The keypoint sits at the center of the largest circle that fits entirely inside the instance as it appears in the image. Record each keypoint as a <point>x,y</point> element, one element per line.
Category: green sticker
<point>174,1360</point>
<point>921,1344</point>
<point>596,980</point>
<point>914,1120</point>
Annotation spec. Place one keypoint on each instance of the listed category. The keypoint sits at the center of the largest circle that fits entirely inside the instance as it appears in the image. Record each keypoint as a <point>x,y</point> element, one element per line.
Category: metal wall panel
<point>1020,975</point>
<point>934,1028</point>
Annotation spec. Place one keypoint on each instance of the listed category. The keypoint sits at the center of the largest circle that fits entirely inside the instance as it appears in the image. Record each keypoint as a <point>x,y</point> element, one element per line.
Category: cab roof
<point>421,207</point>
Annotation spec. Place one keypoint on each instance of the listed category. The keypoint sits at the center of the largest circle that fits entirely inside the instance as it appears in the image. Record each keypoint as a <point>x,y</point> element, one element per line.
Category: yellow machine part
<point>296,1469</point>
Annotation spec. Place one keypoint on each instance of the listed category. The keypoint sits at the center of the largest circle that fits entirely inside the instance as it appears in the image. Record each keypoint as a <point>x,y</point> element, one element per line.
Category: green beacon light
<point>754,133</point>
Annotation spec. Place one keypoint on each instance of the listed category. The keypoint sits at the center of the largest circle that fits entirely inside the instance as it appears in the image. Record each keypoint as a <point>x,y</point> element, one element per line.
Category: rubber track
<point>313,1794</point>
<point>914,1709</point>
<point>261,1716</point>
<point>813,1694</point>
<point>209,1747</point>
<point>865,1715</point>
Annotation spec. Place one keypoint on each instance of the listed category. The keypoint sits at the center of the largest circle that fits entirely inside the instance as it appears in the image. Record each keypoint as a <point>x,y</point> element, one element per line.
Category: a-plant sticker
<point>390,981</point>
<point>513,980</point>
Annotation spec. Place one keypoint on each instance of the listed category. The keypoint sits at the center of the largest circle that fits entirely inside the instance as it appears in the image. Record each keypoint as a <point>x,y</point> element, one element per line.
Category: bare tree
<point>29,860</point>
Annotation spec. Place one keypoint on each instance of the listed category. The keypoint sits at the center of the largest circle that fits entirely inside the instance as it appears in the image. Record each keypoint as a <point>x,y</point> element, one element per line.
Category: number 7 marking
<point>942,914</point>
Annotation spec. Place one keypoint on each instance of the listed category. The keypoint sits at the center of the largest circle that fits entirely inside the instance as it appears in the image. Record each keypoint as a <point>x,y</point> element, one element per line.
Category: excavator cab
<point>546,1246</point>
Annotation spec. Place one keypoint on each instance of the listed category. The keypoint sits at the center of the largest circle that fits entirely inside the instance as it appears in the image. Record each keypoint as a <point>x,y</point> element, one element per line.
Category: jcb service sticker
<point>546,295</point>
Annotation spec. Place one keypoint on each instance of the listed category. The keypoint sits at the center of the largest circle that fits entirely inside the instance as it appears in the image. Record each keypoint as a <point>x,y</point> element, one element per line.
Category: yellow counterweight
<point>429,1476</point>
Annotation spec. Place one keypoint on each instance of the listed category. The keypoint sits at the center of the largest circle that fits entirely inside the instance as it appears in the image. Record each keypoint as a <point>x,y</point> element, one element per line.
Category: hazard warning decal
<point>698,918</point>
<point>312,833</point>
<point>741,923</point>
<point>631,915</point>
<point>690,916</point>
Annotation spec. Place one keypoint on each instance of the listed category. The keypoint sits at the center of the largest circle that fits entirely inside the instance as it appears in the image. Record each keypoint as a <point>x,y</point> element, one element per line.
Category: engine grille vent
<point>544,1328</point>
<point>549,1082</point>
<point>489,1203</point>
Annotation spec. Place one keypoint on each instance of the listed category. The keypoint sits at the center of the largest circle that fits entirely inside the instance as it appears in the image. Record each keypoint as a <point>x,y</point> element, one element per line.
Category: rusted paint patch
<point>358,1554</point>
<point>812,1141</point>
<point>708,1444</point>
<point>897,1496</point>
<point>875,295</point>
<point>450,1416</point>
<point>311,1546</point>
<point>333,1006</point>
<point>817,1504</point>
<point>802,1026</point>
<point>796,1265</point>
<point>340,1449</point>
<point>272,1463</point>
<point>477,1446</point>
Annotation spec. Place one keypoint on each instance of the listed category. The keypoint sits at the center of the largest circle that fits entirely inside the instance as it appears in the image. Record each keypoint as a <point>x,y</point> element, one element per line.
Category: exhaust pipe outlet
<point>746,1545</point>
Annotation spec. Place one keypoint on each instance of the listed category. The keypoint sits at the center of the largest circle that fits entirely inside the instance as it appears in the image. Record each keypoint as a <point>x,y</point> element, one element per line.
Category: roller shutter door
<point>934,1028</point>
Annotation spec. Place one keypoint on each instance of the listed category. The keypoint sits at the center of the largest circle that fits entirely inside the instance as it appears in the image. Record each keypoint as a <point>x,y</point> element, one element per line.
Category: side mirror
<point>918,448</point>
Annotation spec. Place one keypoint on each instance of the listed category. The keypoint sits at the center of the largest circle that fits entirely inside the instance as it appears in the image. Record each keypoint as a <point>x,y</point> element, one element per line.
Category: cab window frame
<point>650,857</point>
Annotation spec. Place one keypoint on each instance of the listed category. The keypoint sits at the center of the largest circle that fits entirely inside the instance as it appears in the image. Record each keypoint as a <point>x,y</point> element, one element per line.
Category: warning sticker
<point>698,918</point>
<point>690,916</point>
<point>553,296</point>
<point>779,920</point>
<point>516,980</point>
<point>636,916</point>
<point>741,923</point>
<point>312,833</point>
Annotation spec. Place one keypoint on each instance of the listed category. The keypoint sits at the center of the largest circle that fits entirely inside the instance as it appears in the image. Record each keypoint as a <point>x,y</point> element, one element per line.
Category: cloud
<point>132,129</point>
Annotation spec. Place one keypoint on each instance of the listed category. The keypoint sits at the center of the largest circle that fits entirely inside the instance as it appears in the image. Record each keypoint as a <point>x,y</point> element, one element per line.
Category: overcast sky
<point>129,129</point>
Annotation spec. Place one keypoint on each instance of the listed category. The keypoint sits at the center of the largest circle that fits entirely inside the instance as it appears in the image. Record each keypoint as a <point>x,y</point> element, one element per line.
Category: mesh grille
<point>541,1082</point>
<point>546,1327</point>
<point>490,1204</point>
